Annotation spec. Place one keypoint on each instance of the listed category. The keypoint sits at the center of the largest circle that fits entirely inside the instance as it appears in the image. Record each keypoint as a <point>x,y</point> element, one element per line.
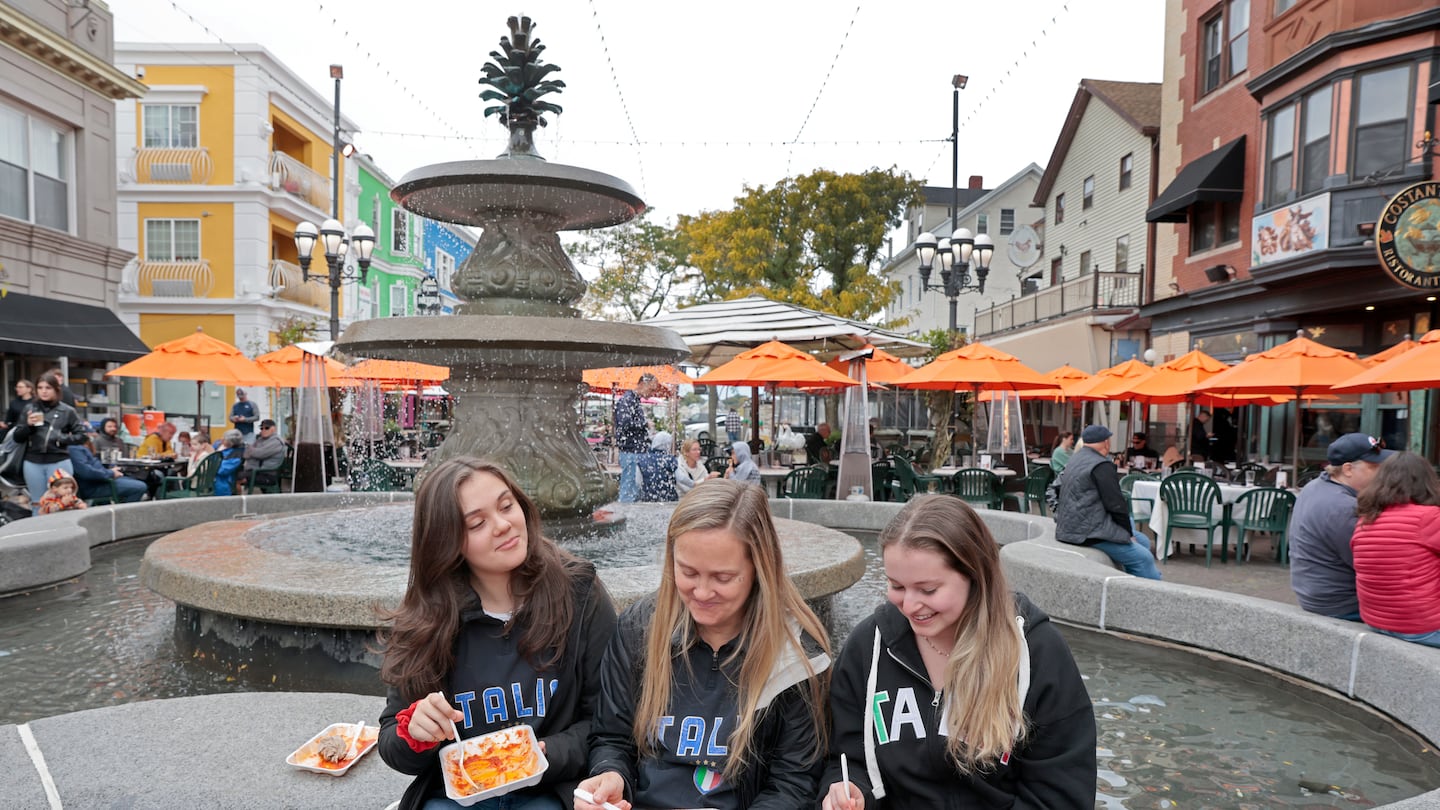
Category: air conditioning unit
<point>170,172</point>
<point>173,288</point>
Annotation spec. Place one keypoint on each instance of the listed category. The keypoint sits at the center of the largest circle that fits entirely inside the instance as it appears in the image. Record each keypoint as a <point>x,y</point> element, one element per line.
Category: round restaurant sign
<point>1407,236</point>
<point>1024,246</point>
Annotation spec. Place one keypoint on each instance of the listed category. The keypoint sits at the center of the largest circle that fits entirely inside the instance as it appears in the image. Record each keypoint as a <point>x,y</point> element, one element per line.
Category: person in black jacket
<point>498,627</point>
<point>47,428</point>
<point>957,692</point>
<point>713,689</point>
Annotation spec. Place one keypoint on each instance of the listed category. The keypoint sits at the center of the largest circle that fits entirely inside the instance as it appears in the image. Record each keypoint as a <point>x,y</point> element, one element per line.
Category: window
<point>375,213</point>
<point>1225,41</point>
<point>1122,253</point>
<point>399,231</point>
<point>1213,225</point>
<point>444,268</point>
<point>1007,221</point>
<point>172,240</point>
<point>1127,167</point>
<point>34,170</point>
<point>982,223</point>
<point>1282,6</point>
<point>1085,263</point>
<point>172,126</point>
<point>1087,193</point>
<point>1382,112</point>
<point>1280,160</point>
<point>399,300</point>
<point>1059,208</point>
<point>1315,140</point>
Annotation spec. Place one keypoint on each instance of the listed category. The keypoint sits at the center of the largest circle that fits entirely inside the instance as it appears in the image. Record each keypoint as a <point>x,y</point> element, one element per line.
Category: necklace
<point>940,652</point>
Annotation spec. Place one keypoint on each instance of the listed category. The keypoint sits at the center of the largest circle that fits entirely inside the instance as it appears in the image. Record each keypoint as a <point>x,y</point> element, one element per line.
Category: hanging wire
<point>823,84</point>
<point>624,108</point>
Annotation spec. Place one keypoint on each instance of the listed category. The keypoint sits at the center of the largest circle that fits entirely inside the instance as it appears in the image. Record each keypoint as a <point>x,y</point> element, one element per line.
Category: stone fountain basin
<point>477,192</point>
<point>218,568</point>
<point>564,345</point>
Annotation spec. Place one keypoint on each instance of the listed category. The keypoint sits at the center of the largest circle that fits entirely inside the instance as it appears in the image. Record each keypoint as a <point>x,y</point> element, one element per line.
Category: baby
<point>62,495</point>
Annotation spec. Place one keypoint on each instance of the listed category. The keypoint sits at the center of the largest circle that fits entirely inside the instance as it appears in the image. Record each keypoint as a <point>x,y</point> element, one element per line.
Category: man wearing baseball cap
<point>1322,568</point>
<point>1092,510</point>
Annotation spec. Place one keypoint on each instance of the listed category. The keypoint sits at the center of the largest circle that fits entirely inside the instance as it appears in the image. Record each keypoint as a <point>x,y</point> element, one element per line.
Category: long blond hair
<point>772,603</point>
<point>986,719</point>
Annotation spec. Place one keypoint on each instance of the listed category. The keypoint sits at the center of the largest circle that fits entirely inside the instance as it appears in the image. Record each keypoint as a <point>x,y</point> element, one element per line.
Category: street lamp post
<point>956,252</point>
<point>331,233</point>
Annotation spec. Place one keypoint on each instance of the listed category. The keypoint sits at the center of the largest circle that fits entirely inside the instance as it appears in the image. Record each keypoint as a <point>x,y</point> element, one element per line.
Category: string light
<point>823,83</point>
<point>624,108</point>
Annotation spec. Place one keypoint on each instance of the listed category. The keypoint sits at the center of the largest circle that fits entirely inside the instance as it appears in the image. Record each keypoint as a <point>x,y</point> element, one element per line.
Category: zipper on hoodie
<point>939,693</point>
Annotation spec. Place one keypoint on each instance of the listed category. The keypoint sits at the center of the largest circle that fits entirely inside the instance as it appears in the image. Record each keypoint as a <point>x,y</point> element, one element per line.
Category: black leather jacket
<point>49,443</point>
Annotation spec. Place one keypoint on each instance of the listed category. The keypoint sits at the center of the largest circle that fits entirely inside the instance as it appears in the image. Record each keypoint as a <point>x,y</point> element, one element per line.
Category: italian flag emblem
<point>706,779</point>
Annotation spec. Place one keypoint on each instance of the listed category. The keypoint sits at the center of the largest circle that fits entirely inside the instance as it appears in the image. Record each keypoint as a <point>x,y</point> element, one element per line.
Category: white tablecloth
<point>1143,490</point>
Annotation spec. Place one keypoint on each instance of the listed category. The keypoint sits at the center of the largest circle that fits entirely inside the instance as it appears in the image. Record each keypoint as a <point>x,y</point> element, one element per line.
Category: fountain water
<point>517,346</point>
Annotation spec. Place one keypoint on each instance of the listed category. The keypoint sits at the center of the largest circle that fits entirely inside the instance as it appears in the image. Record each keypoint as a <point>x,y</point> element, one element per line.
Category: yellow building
<point>220,159</point>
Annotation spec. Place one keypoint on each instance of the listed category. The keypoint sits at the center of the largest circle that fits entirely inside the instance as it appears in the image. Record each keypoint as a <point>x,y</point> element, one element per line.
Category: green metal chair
<point>880,478</point>
<point>1036,482</point>
<point>1263,509</point>
<point>717,464</point>
<point>806,482</point>
<point>1263,475</point>
<point>1127,486</point>
<point>907,482</point>
<point>109,496</point>
<point>1191,500</point>
<point>1307,474</point>
<point>200,484</point>
<point>374,475</point>
<point>979,487</point>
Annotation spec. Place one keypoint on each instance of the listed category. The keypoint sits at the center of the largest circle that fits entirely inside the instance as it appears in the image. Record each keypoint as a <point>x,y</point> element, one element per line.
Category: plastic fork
<point>355,742</point>
<point>460,755</point>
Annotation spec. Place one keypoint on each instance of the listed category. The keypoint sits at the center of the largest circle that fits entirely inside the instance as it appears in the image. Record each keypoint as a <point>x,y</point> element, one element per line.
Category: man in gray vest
<point>1092,509</point>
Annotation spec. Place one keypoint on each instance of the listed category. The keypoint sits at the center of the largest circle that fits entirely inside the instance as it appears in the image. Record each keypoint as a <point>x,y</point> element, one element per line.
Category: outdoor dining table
<point>949,472</point>
<point>1146,495</point>
<point>408,467</point>
<point>140,467</point>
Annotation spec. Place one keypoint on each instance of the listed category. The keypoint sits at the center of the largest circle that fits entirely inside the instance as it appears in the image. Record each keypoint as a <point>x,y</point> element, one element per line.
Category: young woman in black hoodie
<point>713,691</point>
<point>958,692</point>
<point>498,627</point>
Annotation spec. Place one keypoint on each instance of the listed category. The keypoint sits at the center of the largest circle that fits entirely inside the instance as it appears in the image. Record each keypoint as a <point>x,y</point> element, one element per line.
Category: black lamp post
<point>427,299</point>
<point>956,252</point>
<point>336,245</point>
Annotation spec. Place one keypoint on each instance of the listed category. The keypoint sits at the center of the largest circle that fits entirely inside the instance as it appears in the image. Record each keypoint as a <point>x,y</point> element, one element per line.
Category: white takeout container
<point>299,756</point>
<point>448,753</point>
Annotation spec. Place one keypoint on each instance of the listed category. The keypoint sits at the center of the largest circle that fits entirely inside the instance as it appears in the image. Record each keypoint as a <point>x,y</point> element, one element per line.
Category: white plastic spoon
<point>355,743</point>
<point>586,796</point>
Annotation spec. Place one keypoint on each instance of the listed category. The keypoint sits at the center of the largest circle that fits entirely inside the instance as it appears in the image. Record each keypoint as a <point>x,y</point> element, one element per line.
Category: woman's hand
<point>843,796</point>
<point>433,718</point>
<point>607,787</point>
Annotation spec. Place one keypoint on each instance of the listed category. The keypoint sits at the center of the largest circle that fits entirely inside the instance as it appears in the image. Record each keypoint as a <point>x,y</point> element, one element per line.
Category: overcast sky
<point>719,95</point>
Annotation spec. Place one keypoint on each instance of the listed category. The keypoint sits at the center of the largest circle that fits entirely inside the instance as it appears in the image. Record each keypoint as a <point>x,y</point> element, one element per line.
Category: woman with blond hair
<point>498,626</point>
<point>712,693</point>
<point>957,692</point>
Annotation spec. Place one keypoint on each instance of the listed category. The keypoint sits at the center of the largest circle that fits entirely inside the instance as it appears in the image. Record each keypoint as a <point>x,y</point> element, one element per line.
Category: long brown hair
<point>986,719</point>
<point>1404,478</point>
<point>773,602</point>
<point>419,646</point>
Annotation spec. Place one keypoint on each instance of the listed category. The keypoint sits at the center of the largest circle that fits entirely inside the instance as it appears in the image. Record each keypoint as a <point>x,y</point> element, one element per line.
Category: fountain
<point>517,346</point>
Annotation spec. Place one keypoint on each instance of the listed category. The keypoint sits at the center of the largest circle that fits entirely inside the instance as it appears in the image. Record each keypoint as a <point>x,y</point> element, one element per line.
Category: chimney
<point>977,181</point>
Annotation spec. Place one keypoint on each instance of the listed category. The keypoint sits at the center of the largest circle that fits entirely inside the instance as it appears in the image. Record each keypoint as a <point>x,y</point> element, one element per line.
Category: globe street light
<point>336,245</point>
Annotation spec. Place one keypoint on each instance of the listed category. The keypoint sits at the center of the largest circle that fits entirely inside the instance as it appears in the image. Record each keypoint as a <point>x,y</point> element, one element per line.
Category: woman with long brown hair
<point>1397,550</point>
<point>713,690</point>
<point>957,692</point>
<point>498,627</point>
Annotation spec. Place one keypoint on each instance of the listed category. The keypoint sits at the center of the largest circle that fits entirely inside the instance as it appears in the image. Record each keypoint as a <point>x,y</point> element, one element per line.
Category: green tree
<point>640,262</point>
<point>812,240</point>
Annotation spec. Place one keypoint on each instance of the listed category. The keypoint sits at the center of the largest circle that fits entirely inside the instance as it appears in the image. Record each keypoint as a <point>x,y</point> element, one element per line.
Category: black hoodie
<point>1055,767</point>
<point>497,688</point>
<point>694,736</point>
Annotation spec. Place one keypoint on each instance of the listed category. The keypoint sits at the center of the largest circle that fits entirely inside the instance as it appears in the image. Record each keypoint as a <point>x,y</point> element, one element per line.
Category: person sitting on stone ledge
<point>1397,550</point>
<point>1092,509</point>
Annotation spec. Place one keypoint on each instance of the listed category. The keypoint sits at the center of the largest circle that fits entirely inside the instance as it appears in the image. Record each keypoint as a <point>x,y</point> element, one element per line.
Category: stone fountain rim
<point>619,201</point>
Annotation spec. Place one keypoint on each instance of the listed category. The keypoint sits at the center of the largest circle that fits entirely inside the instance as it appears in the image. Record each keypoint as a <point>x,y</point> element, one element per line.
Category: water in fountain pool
<point>1176,729</point>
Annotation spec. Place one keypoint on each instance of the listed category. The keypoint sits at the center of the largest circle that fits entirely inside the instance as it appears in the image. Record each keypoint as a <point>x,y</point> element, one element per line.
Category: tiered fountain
<point>517,346</point>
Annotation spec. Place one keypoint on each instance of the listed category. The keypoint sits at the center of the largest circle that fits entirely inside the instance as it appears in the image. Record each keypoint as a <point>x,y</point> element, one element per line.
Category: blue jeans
<point>1134,557</point>
<point>510,801</point>
<point>37,479</point>
<point>630,477</point>
<point>1431,639</point>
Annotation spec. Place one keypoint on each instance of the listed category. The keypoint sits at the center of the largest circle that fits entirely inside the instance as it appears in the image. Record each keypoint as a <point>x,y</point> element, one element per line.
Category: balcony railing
<point>295,178</point>
<point>174,279</point>
<point>166,165</point>
<point>288,282</point>
<point>1088,292</point>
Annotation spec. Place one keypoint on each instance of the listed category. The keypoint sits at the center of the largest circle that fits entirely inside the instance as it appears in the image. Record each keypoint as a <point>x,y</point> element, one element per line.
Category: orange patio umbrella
<point>1067,377</point>
<point>1114,382</point>
<point>973,367</point>
<point>1299,368</point>
<point>197,357</point>
<point>882,367</point>
<point>284,364</point>
<point>773,364</point>
<point>1417,368</point>
<point>391,372</point>
<point>1391,353</point>
<point>625,378</point>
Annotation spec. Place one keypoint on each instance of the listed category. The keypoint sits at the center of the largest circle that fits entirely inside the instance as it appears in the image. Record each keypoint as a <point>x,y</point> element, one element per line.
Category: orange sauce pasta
<point>491,761</point>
